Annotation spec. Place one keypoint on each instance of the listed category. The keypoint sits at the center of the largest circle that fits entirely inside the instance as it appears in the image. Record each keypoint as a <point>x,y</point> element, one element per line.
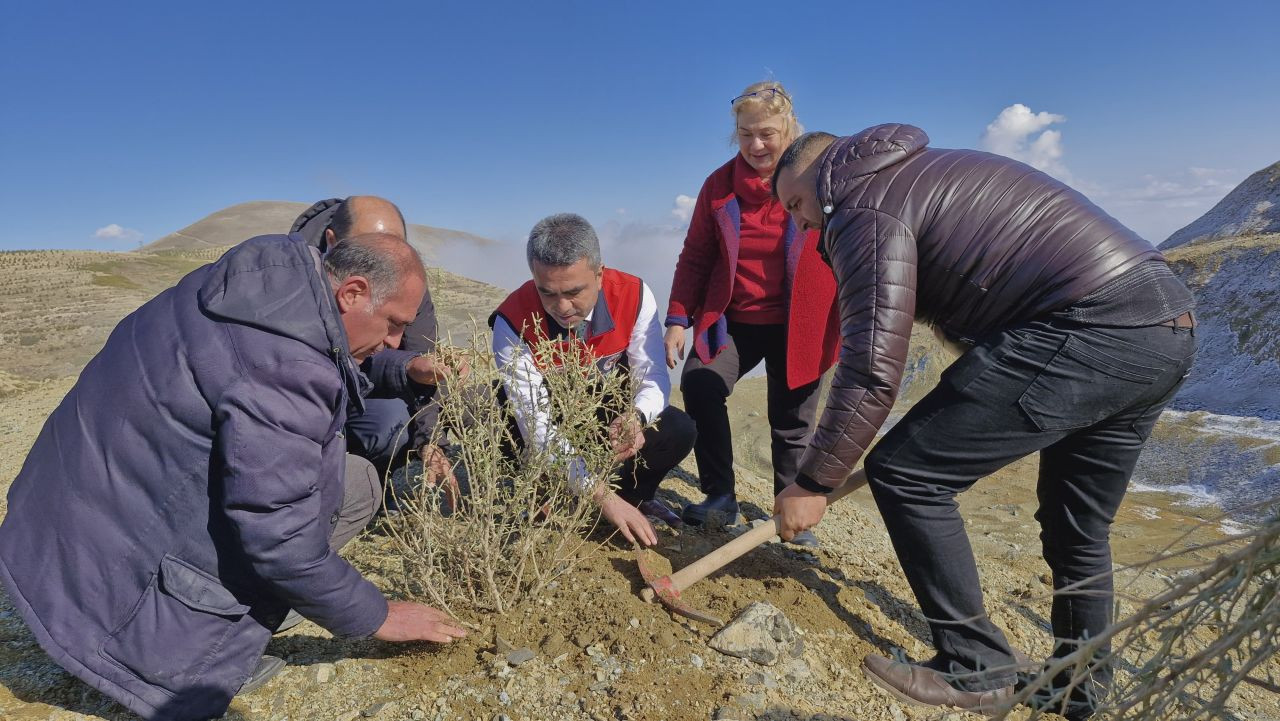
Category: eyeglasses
<point>764,94</point>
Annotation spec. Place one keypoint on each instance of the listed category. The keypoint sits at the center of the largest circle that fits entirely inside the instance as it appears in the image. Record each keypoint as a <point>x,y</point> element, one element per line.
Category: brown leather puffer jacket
<point>966,241</point>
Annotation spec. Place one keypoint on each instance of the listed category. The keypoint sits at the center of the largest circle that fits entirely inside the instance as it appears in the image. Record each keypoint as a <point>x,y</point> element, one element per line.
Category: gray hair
<point>563,239</point>
<point>383,260</point>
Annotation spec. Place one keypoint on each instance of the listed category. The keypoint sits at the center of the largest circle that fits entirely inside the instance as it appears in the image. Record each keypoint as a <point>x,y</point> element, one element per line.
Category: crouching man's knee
<point>361,497</point>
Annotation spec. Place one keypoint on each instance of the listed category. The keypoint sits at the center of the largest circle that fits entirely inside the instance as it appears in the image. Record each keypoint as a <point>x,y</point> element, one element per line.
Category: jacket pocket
<point>1083,384</point>
<point>177,627</point>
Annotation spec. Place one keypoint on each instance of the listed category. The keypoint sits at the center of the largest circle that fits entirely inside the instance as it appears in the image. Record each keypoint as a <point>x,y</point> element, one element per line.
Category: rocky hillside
<point>1230,257</point>
<point>235,223</point>
<point>1253,208</point>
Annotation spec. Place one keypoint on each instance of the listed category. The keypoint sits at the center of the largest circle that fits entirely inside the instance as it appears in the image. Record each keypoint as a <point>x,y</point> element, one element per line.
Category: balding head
<point>795,180</point>
<point>378,283</point>
<point>363,215</point>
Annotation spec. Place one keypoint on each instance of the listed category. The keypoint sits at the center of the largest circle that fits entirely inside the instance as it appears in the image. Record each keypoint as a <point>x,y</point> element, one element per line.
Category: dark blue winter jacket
<point>180,498</point>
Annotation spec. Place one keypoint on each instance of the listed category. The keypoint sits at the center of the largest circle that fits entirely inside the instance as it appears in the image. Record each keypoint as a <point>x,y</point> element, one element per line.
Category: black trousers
<point>666,443</point>
<point>1086,398</point>
<point>707,386</point>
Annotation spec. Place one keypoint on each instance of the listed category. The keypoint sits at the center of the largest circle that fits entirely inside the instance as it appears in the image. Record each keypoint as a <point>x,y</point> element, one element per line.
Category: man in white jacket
<point>614,315</point>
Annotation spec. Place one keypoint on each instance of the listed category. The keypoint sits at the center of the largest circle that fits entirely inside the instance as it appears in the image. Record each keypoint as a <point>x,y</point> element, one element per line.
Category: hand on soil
<point>798,510</point>
<point>628,519</point>
<point>408,621</point>
<point>673,339</point>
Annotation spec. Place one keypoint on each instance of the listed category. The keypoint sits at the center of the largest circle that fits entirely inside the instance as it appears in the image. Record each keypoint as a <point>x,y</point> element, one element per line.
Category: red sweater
<point>708,272</point>
<point>761,271</point>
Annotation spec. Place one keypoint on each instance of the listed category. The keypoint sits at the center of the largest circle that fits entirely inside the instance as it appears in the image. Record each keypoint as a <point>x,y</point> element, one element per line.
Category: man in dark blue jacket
<point>193,484</point>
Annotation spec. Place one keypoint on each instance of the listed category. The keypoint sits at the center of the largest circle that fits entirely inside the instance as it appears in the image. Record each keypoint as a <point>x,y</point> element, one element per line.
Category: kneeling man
<point>572,296</point>
<point>194,483</point>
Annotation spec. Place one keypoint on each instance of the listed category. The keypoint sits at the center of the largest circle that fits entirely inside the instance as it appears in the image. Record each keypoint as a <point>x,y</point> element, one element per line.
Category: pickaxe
<point>666,589</point>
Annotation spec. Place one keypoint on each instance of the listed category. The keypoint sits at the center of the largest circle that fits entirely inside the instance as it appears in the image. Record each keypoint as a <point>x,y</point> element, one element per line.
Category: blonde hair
<point>776,103</point>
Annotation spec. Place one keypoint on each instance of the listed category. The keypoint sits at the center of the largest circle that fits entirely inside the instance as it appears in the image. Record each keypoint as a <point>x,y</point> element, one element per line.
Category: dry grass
<point>518,526</point>
<point>1182,653</point>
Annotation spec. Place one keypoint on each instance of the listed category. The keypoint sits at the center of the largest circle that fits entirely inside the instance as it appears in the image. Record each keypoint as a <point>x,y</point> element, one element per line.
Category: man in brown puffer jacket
<point>1078,335</point>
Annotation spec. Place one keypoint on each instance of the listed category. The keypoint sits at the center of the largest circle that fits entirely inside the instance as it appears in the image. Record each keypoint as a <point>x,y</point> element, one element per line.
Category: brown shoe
<point>915,684</point>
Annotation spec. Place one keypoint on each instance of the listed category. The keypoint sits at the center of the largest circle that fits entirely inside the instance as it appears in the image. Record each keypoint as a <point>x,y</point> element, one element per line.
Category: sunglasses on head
<point>764,94</point>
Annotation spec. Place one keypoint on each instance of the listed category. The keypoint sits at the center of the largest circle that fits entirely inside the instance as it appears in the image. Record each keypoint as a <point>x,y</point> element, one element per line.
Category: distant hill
<point>1253,208</point>
<point>233,224</point>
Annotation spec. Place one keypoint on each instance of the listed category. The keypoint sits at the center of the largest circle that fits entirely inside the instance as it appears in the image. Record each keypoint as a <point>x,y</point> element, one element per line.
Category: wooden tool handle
<point>734,549</point>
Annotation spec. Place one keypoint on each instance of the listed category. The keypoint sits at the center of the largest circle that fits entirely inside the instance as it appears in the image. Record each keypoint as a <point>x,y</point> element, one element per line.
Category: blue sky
<point>487,116</point>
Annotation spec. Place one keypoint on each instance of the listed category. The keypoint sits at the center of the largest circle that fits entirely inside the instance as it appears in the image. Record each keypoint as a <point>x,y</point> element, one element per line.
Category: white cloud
<point>1021,134</point>
<point>117,232</point>
<point>683,209</point>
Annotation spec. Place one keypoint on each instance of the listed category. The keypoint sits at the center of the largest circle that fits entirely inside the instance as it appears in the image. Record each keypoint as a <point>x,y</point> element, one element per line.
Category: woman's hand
<point>674,340</point>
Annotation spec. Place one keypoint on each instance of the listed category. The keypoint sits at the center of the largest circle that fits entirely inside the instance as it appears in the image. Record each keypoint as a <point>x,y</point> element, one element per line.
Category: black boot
<point>715,511</point>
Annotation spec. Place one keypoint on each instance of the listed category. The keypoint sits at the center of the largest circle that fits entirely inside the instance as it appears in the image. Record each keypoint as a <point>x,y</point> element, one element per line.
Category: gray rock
<point>761,634</point>
<point>520,655</point>
<point>728,713</point>
<point>696,660</point>
<point>749,700</point>
<point>377,708</point>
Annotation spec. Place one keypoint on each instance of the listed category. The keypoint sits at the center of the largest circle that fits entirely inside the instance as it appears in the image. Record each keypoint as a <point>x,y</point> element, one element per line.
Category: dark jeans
<point>379,434</point>
<point>706,387</point>
<point>1087,399</point>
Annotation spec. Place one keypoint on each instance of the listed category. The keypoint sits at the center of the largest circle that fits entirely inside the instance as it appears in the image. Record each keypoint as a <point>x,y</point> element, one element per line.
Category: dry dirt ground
<point>601,652</point>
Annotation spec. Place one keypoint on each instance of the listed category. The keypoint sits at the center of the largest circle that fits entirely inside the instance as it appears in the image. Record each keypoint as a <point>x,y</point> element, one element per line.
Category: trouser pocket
<point>177,627</point>
<point>1086,382</point>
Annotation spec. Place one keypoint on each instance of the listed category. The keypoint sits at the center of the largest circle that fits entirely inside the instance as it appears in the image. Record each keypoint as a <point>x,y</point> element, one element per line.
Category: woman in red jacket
<point>752,287</point>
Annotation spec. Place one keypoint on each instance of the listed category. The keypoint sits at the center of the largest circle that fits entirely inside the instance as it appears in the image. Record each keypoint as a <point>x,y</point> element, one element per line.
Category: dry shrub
<point>1183,653</point>
<point>518,526</point>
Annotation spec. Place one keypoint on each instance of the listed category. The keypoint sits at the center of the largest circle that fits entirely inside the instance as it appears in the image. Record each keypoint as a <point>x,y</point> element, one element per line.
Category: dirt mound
<point>224,228</point>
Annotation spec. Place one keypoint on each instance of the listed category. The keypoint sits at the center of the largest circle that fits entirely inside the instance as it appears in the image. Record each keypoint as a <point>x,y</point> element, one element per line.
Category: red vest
<point>608,331</point>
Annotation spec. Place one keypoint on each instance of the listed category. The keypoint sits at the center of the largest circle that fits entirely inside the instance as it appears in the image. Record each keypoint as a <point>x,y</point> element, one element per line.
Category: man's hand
<point>626,518</point>
<point>798,510</point>
<point>438,473</point>
<point>626,434</point>
<point>674,340</point>
<point>431,370</point>
<point>408,621</point>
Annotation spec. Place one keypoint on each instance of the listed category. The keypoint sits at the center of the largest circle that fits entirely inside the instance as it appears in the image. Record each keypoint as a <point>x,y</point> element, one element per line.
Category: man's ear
<point>329,237</point>
<point>353,294</point>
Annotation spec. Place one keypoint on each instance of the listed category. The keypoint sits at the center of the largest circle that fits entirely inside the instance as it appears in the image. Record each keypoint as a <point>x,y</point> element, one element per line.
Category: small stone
<point>761,634</point>
<point>418,714</point>
<point>897,713</point>
<point>727,713</point>
<point>348,716</point>
<point>635,623</point>
<point>502,717</point>
<point>502,647</point>
<point>520,655</point>
<point>750,700</point>
<point>441,703</point>
<point>504,698</point>
<point>322,672</point>
<point>696,660</point>
<point>378,708</point>
<point>600,674</point>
